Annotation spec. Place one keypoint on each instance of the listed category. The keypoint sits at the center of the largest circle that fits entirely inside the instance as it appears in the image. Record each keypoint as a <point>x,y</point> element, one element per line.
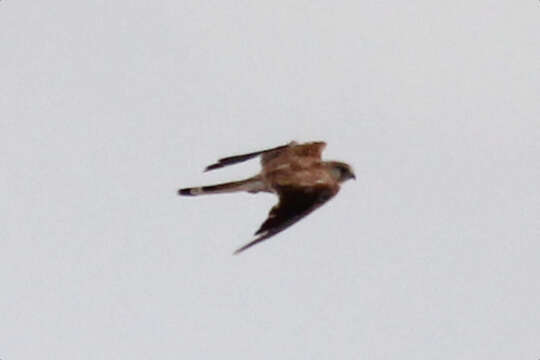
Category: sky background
<point>108,107</point>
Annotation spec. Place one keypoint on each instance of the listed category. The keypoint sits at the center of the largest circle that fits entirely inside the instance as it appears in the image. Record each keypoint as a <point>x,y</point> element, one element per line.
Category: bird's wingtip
<point>185,192</point>
<point>241,249</point>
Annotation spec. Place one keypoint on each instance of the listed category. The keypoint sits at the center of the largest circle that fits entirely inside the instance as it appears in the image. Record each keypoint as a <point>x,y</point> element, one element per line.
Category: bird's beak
<point>353,177</point>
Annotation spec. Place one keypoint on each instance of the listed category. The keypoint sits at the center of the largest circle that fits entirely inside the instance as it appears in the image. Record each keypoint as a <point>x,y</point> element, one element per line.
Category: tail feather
<point>251,185</point>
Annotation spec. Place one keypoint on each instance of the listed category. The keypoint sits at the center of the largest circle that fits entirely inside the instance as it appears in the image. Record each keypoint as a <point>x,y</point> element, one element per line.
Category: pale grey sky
<point>107,107</point>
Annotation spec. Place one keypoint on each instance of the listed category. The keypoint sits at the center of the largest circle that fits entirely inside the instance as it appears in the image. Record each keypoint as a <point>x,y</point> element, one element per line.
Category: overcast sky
<point>108,107</point>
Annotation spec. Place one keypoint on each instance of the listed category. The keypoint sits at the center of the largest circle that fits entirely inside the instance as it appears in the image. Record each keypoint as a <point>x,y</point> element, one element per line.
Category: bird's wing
<point>311,150</point>
<point>230,160</point>
<point>294,204</point>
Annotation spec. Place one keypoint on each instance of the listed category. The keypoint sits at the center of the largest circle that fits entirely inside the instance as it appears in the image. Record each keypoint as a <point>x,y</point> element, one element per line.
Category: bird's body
<point>295,172</point>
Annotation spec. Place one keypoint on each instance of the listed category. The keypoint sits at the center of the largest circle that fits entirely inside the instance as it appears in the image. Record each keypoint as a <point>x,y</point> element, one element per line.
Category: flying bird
<point>295,173</point>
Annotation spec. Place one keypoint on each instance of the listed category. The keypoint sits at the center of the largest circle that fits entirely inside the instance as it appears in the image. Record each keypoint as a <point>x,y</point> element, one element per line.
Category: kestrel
<point>295,172</point>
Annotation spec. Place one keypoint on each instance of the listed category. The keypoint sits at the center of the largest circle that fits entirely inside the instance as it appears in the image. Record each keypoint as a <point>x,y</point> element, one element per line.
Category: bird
<point>294,172</point>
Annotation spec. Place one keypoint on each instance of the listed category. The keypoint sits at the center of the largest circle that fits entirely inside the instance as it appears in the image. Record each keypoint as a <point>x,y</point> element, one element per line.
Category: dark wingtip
<point>240,250</point>
<point>185,192</point>
<point>212,167</point>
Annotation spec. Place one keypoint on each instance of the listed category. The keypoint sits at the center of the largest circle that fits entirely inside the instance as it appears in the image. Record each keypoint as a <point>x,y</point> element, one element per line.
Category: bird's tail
<point>251,185</point>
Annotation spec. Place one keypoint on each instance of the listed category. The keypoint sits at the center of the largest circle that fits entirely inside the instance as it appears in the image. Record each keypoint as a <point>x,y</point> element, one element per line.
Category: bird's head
<point>341,171</point>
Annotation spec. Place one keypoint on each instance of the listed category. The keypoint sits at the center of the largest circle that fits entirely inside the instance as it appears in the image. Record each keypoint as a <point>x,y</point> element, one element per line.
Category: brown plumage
<point>295,172</point>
